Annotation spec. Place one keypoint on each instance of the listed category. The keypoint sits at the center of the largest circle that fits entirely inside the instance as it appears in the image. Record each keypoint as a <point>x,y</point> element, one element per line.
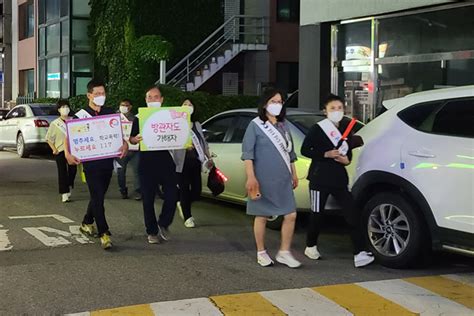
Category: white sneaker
<point>153,239</point>
<point>312,253</point>
<point>180,210</point>
<point>286,258</point>
<point>363,258</point>
<point>65,197</point>
<point>264,259</point>
<point>189,223</point>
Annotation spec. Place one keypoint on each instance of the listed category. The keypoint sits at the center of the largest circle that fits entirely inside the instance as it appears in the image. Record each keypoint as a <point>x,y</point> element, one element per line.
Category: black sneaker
<point>124,194</point>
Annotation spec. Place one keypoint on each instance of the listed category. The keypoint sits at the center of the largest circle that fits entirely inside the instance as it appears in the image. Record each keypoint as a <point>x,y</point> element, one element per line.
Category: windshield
<point>44,110</point>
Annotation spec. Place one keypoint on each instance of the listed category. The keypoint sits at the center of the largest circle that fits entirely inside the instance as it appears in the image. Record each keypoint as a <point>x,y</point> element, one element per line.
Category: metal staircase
<point>238,34</point>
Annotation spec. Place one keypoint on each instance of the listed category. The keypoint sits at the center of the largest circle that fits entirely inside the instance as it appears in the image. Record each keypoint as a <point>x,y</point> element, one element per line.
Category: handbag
<point>216,181</point>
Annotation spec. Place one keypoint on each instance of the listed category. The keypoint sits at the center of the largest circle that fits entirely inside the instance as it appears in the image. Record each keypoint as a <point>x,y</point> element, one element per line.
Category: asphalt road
<point>218,257</point>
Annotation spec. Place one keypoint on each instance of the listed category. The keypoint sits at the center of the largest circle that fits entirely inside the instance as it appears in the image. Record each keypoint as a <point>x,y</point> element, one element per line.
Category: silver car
<point>25,127</point>
<point>225,131</point>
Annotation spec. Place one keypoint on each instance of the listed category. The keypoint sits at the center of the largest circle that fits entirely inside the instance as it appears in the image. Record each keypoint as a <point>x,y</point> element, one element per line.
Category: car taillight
<point>41,123</point>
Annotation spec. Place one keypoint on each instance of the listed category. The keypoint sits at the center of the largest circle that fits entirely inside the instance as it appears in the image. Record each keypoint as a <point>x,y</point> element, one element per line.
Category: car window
<point>304,121</point>
<point>44,110</point>
<point>216,130</point>
<point>421,116</point>
<point>21,112</point>
<point>13,114</point>
<point>241,128</point>
<point>292,101</point>
<point>455,118</point>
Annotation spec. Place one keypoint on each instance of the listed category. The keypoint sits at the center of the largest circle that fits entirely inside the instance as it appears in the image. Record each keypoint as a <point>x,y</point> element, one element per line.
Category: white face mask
<point>335,116</point>
<point>100,100</point>
<point>191,109</point>
<point>123,109</point>
<point>153,104</point>
<point>274,108</point>
<point>64,111</point>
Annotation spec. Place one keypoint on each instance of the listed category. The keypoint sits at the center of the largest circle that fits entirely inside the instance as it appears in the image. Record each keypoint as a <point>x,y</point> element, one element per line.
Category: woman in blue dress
<point>267,151</point>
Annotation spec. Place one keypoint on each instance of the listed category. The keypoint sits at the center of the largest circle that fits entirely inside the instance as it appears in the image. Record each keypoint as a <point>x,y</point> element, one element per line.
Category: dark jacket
<point>325,172</point>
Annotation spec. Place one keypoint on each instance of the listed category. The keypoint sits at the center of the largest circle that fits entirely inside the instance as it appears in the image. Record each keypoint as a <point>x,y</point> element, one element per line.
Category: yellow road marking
<point>459,292</point>
<point>360,301</point>
<point>245,304</point>
<point>136,310</point>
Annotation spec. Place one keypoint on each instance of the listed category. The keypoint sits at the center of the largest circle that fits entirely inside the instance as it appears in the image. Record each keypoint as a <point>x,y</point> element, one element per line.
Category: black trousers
<point>152,174</point>
<point>190,185</point>
<point>350,211</point>
<point>66,173</point>
<point>98,183</point>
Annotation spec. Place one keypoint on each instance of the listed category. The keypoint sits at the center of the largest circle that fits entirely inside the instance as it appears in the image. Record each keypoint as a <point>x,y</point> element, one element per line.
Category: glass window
<point>80,85</point>
<point>287,76</point>
<point>241,127</point>
<point>26,18</point>
<point>80,8</point>
<point>13,113</point>
<point>52,9</point>
<point>65,7</point>
<point>65,36</point>
<point>455,119</point>
<point>215,131</point>
<point>41,11</point>
<point>304,122</point>
<point>80,38</point>
<point>81,63</point>
<point>52,39</point>
<point>431,32</point>
<point>53,78</point>
<point>27,82</point>
<point>42,78</point>
<point>21,112</point>
<point>42,41</point>
<point>44,110</point>
<point>65,76</point>
<point>418,116</point>
<point>288,10</point>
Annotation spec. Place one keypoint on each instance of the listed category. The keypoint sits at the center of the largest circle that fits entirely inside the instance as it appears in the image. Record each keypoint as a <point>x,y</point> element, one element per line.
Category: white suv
<point>414,177</point>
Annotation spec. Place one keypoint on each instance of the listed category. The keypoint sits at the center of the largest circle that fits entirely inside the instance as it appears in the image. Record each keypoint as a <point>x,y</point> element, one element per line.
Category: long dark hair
<point>193,116</point>
<point>267,95</point>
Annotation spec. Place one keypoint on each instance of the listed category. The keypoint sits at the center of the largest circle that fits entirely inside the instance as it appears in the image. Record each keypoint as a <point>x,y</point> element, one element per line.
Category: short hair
<point>267,95</point>
<point>126,100</point>
<point>154,86</point>
<point>62,102</point>
<point>94,83</point>
<point>332,97</point>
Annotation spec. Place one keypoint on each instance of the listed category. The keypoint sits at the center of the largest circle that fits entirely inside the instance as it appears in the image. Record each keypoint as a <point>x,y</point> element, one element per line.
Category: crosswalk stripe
<point>303,302</point>
<point>361,301</point>
<point>245,304</point>
<point>453,290</point>
<point>415,298</point>
<point>136,310</point>
<point>195,306</point>
<point>466,278</point>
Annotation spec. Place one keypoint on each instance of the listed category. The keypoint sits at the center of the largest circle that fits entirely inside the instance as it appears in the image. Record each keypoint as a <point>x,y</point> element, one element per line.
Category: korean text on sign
<point>95,138</point>
<point>165,128</point>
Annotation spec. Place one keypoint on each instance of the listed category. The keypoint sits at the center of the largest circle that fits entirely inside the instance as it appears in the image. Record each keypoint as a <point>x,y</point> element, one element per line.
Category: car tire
<point>394,229</point>
<point>275,222</point>
<point>21,149</point>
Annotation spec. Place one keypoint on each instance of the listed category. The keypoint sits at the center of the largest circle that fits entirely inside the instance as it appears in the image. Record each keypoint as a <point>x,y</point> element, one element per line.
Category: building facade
<point>51,48</point>
<point>5,52</point>
<point>374,50</point>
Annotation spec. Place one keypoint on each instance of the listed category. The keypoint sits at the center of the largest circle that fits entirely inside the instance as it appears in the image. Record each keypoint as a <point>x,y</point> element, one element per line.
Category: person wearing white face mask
<point>157,168</point>
<point>327,176</point>
<point>267,151</point>
<point>56,137</point>
<point>98,172</point>
<point>197,157</point>
<point>132,157</point>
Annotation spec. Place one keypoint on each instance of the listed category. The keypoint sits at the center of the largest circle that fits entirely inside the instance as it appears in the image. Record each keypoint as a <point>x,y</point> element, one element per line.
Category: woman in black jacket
<point>328,176</point>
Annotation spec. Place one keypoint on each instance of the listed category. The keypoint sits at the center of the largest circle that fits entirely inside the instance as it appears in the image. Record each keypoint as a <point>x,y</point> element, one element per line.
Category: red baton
<point>349,128</point>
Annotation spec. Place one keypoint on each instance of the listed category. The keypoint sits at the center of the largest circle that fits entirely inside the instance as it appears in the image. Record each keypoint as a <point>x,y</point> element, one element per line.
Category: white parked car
<point>414,177</point>
<point>25,127</point>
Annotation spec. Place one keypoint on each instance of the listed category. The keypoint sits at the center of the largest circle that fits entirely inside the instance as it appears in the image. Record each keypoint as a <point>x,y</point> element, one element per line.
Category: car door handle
<point>421,154</point>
